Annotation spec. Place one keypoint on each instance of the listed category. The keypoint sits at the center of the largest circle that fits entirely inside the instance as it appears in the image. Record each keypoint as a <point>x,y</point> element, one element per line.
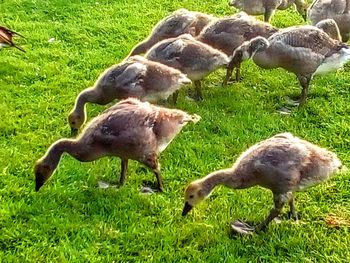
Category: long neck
<point>227,177</point>
<point>54,153</point>
<point>84,97</point>
<point>347,7</point>
<point>142,47</point>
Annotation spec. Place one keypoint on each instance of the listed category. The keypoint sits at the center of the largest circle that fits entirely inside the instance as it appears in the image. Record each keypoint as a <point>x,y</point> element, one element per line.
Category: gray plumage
<point>190,56</point>
<point>339,10</point>
<point>130,130</point>
<point>177,23</point>
<point>135,77</point>
<point>283,163</point>
<point>227,34</point>
<point>268,7</point>
<point>304,50</point>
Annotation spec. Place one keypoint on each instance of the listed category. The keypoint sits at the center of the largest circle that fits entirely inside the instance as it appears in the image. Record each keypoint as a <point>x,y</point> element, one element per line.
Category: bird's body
<point>190,56</point>
<point>268,7</point>
<point>338,10</point>
<point>6,36</point>
<point>227,34</point>
<point>179,22</point>
<point>130,130</point>
<point>304,50</point>
<point>283,163</point>
<point>135,77</point>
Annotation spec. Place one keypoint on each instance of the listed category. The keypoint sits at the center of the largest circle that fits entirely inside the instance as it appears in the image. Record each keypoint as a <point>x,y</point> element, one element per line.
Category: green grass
<point>71,220</point>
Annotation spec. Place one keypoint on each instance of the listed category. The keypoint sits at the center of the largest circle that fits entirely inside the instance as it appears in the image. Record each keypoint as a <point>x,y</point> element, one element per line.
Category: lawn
<point>71,220</point>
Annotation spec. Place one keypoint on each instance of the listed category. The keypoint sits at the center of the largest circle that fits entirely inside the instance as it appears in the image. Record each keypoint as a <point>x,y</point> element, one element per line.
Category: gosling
<point>190,56</point>
<point>6,36</point>
<point>283,163</point>
<point>304,50</point>
<point>267,8</point>
<point>130,130</point>
<point>177,23</point>
<point>135,77</point>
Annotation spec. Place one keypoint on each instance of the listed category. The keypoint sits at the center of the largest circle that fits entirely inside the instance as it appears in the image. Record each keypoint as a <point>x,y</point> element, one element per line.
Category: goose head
<point>302,8</point>
<point>42,171</point>
<point>75,121</point>
<point>195,193</point>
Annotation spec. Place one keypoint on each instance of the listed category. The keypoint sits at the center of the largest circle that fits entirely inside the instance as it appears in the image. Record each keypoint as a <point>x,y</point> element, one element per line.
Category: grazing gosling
<point>338,10</point>
<point>228,33</point>
<point>135,77</point>
<point>6,36</point>
<point>130,130</point>
<point>190,56</point>
<point>177,23</point>
<point>267,8</point>
<point>304,50</point>
<point>283,163</point>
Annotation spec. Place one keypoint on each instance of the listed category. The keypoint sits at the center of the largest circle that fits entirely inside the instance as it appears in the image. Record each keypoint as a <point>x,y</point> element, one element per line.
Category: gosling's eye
<point>191,196</point>
<point>73,122</point>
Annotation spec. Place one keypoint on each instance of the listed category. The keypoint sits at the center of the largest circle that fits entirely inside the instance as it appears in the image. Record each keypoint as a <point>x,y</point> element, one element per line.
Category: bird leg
<point>159,179</point>
<point>198,90</point>
<point>304,82</point>
<point>268,14</point>
<point>175,96</point>
<point>124,171</point>
<point>234,63</point>
<point>280,200</point>
<point>292,213</point>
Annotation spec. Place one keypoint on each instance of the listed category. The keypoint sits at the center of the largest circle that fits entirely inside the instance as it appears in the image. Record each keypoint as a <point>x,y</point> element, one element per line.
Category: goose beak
<point>73,132</point>
<point>186,209</point>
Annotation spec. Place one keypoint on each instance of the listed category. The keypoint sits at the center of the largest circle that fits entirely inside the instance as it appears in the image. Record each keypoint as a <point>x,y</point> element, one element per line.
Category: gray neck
<point>227,177</point>
<point>54,153</point>
<point>85,96</point>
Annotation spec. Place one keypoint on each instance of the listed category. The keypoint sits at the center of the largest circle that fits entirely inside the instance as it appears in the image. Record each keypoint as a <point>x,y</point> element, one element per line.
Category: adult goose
<point>177,23</point>
<point>130,130</point>
<point>283,163</point>
<point>304,50</point>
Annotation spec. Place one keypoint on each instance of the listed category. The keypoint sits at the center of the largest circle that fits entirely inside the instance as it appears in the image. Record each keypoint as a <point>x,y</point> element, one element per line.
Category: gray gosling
<point>135,77</point>
<point>190,56</point>
<point>267,8</point>
<point>130,130</point>
<point>283,163</point>
<point>228,33</point>
<point>6,36</point>
<point>177,23</point>
<point>339,10</point>
<point>304,50</point>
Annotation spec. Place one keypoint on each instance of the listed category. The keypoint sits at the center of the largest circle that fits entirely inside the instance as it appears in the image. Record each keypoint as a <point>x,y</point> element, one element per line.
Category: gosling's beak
<point>39,181</point>
<point>73,132</point>
<point>305,17</point>
<point>186,209</point>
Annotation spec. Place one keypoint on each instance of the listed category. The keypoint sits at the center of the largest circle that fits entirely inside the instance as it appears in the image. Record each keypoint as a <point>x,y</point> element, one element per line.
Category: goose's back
<point>286,163</point>
<point>229,33</point>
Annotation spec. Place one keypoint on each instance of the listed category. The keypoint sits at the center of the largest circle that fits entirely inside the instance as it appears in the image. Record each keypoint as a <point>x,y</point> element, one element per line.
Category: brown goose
<point>227,34</point>
<point>6,36</point>
<point>304,50</point>
<point>135,77</point>
<point>177,23</point>
<point>130,130</point>
<point>283,163</point>
<point>339,10</point>
<point>190,56</point>
<point>267,8</point>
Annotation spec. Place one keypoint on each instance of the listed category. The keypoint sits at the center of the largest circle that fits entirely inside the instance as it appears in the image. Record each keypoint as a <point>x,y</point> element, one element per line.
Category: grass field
<point>72,220</point>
